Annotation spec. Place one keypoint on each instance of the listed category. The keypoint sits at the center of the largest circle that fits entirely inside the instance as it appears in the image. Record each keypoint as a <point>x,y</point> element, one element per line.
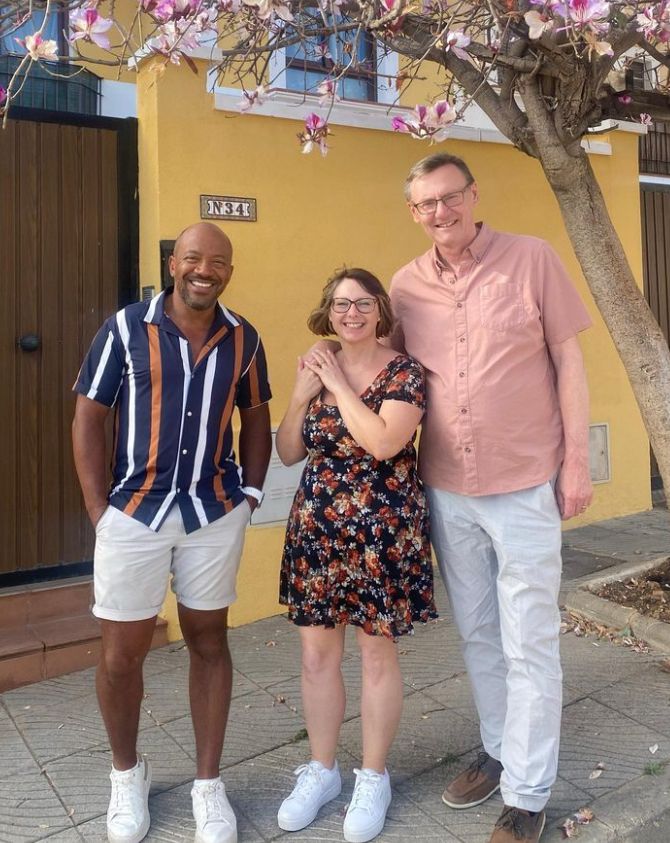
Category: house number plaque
<point>240,208</point>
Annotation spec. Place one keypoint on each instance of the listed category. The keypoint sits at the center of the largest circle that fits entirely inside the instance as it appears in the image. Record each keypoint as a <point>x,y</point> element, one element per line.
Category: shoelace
<point>213,804</point>
<point>476,766</point>
<point>514,820</point>
<point>124,794</point>
<point>365,789</point>
<point>309,779</point>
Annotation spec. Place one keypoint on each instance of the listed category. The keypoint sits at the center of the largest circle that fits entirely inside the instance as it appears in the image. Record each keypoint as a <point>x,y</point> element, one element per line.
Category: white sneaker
<point>128,812</point>
<point>214,818</point>
<point>370,800</point>
<point>316,785</point>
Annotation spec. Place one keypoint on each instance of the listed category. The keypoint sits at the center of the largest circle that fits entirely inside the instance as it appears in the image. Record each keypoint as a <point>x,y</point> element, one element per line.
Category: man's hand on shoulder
<point>574,491</point>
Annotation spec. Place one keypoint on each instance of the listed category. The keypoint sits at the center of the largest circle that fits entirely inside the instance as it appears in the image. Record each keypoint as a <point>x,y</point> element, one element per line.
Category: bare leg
<point>381,698</point>
<point>210,683</point>
<point>119,684</point>
<point>323,693</point>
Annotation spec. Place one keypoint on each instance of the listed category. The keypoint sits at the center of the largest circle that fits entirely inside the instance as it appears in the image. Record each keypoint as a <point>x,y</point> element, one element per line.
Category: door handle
<point>29,342</point>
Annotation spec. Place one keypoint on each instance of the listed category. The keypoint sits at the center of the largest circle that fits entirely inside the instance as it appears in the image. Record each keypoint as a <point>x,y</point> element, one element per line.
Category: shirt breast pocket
<point>502,306</point>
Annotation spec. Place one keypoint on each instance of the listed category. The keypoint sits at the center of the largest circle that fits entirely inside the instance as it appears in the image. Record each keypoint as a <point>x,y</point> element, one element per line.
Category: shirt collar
<point>155,315</point>
<point>477,248</point>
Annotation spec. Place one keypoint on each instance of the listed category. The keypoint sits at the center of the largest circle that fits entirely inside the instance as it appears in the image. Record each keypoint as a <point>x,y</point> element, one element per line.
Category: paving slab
<point>616,707</point>
<point>429,733</point>
<point>256,724</point>
<point>30,809</point>
<point>594,734</point>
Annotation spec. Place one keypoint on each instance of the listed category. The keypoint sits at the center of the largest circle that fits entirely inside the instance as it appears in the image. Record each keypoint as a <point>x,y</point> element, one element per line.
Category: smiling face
<point>201,266</point>
<point>354,326</point>
<point>452,229</point>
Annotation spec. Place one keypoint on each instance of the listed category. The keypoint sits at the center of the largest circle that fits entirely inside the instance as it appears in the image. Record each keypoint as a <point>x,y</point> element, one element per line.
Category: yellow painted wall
<point>316,213</point>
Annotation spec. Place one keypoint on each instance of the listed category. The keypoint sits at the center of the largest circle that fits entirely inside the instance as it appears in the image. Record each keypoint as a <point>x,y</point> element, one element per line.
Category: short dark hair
<point>319,319</point>
<point>430,164</point>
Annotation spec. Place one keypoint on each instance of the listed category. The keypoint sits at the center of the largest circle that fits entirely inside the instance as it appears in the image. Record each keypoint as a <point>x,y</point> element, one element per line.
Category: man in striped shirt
<point>173,368</point>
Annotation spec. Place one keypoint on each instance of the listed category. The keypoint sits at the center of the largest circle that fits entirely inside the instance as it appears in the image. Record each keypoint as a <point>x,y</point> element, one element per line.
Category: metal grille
<point>655,150</point>
<point>58,87</point>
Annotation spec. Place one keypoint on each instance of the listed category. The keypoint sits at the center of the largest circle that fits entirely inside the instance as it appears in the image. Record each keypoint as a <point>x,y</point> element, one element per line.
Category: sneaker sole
<point>459,806</point>
<point>370,834</point>
<point>298,825</point>
<point>136,838</point>
<point>544,822</point>
<point>231,839</point>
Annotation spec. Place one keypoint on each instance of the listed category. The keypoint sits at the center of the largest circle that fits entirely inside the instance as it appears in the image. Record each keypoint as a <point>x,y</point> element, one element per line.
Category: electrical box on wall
<point>280,486</point>
<point>599,452</point>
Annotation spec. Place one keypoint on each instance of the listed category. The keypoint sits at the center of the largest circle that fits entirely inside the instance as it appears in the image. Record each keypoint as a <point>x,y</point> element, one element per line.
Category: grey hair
<point>430,164</point>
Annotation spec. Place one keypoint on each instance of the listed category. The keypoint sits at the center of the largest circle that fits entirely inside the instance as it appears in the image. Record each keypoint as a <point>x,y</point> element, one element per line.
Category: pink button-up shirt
<point>481,331</point>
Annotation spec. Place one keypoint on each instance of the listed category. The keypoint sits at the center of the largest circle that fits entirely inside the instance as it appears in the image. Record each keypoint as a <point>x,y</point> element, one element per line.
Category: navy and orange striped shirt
<point>173,433</point>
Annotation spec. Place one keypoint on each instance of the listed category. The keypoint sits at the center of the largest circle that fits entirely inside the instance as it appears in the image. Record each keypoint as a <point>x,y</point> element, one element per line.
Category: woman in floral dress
<point>357,550</point>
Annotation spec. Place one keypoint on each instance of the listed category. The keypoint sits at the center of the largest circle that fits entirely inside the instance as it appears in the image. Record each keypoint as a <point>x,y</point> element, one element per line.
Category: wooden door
<point>59,278</point>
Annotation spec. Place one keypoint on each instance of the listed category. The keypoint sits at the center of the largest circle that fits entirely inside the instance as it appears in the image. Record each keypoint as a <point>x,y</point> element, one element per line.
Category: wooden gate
<point>67,256</point>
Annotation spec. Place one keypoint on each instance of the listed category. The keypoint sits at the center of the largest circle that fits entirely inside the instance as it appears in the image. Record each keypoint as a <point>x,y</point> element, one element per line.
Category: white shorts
<point>132,564</point>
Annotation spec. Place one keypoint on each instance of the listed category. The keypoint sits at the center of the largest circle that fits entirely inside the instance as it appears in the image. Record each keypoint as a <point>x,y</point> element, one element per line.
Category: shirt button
<point>452,280</point>
<point>185,451</point>
<point>462,339</point>
<point>461,374</point>
<point>467,450</point>
<point>463,410</point>
<point>189,413</point>
<point>178,491</point>
<point>459,304</point>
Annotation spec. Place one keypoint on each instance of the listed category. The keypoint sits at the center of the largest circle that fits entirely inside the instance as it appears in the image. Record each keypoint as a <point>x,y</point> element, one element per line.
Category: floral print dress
<point>357,549</point>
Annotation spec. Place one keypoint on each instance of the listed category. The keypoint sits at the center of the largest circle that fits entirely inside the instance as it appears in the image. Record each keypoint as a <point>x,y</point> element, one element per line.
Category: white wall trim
<point>291,105</point>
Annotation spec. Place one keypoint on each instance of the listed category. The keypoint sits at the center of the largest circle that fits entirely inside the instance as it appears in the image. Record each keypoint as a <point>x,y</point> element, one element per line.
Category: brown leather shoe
<point>475,785</point>
<point>517,826</point>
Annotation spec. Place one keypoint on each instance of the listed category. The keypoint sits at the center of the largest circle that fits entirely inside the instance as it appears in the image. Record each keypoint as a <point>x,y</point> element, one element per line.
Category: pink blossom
<point>253,98</point>
<point>3,96</point>
<point>315,134</point>
<point>585,12</point>
<point>537,24</point>
<point>456,41</point>
<point>625,99</point>
<point>88,25</point>
<point>328,92</point>
<point>431,122</point>
<point>37,48</point>
<point>645,119</point>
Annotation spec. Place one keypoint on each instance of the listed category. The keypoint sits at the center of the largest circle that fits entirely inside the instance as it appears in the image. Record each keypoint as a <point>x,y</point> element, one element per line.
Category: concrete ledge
<point>582,600</point>
<point>621,812</point>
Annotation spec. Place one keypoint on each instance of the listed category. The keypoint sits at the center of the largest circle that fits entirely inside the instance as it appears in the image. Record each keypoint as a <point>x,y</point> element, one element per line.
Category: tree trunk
<point>634,330</point>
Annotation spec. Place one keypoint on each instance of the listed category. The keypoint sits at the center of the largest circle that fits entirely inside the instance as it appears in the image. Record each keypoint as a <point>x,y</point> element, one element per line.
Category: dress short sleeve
<point>407,382</point>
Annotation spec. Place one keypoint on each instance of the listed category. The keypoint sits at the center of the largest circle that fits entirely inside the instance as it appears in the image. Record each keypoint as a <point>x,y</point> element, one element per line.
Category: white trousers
<point>500,557</point>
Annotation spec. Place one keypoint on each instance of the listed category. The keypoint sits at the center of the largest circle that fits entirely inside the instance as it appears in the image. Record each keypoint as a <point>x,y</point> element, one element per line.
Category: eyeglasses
<point>450,200</point>
<point>362,305</point>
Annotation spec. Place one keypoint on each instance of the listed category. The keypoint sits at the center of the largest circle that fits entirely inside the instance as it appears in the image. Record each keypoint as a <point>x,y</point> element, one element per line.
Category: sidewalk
<point>54,760</point>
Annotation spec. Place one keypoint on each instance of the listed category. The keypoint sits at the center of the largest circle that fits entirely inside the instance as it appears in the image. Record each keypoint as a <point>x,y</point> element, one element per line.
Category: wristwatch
<point>253,492</point>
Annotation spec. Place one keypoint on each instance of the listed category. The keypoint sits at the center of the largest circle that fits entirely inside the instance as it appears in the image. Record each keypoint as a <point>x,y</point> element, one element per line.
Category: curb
<point>622,812</point>
<point>581,600</point>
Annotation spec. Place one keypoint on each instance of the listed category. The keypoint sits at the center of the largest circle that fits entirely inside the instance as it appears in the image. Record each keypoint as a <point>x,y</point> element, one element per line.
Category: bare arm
<point>290,447</point>
<point>90,457</point>
<point>382,434</point>
<point>255,447</point>
<point>573,487</point>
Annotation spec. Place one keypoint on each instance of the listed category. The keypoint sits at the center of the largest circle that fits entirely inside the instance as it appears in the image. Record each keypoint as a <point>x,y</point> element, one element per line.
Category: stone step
<point>48,630</point>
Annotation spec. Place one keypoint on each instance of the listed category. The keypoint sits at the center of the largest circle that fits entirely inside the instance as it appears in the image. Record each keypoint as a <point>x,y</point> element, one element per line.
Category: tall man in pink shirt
<point>494,320</point>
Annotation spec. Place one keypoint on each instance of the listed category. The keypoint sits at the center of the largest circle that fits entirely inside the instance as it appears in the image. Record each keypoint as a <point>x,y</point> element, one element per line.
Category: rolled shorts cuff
<point>207,605</point>
<point>124,615</point>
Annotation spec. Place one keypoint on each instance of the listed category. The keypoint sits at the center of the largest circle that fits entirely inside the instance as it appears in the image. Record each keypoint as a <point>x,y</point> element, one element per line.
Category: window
<point>311,62</point>
<point>54,30</point>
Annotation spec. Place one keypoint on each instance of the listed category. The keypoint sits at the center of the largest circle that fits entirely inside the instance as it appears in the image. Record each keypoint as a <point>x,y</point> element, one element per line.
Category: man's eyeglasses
<point>362,305</point>
<point>450,200</point>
